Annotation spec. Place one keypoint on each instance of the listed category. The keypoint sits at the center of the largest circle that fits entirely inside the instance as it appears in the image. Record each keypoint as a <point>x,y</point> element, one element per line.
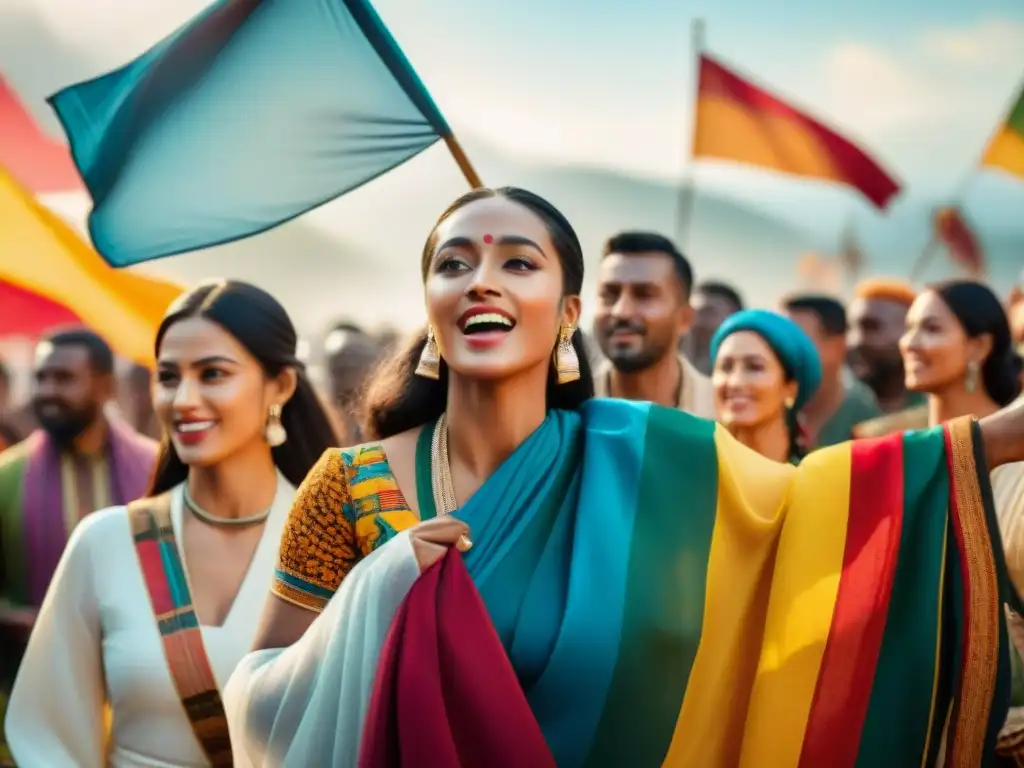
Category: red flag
<point>739,121</point>
<point>30,314</point>
<point>38,162</point>
<point>953,231</point>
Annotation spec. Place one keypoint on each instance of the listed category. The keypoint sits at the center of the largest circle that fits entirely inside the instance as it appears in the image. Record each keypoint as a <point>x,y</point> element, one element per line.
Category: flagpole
<point>848,242</point>
<point>928,252</point>
<point>688,189</point>
<point>462,161</point>
<point>931,247</point>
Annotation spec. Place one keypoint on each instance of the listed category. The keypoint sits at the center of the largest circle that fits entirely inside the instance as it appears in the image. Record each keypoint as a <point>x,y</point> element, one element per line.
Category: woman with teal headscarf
<point>764,370</point>
<point>514,573</point>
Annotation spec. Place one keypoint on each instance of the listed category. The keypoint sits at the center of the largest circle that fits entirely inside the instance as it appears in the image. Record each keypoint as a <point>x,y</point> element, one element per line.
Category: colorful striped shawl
<point>666,597</point>
<point>33,531</point>
<point>167,584</point>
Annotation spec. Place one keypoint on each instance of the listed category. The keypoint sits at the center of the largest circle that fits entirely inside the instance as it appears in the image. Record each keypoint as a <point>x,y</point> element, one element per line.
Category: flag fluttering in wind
<point>953,230</point>
<point>1005,151</point>
<point>248,116</point>
<point>37,161</point>
<point>743,123</point>
<point>29,314</point>
<point>45,263</point>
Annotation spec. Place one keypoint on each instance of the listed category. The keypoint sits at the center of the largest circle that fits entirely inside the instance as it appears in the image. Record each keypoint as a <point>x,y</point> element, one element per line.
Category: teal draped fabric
<point>569,535</point>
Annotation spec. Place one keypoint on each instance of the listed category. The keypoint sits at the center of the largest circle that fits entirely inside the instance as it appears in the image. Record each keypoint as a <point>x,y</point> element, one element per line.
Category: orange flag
<point>43,255</point>
<point>738,121</point>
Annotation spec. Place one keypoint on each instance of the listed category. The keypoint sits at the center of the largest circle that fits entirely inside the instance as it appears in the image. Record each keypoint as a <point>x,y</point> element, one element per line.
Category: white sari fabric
<point>305,705</point>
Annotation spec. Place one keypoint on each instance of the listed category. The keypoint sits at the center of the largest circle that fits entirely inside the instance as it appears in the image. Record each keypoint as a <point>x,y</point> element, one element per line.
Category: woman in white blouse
<point>154,604</point>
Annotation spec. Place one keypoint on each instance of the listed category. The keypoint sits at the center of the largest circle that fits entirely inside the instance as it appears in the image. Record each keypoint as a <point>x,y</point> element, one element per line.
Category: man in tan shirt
<point>643,310</point>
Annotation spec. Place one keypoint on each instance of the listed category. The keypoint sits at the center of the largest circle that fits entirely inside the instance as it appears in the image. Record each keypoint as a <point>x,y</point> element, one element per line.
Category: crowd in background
<point>857,342</point>
<point>812,372</point>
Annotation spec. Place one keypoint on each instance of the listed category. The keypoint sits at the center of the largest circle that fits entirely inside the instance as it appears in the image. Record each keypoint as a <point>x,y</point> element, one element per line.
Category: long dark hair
<point>397,400</point>
<point>261,325</point>
<point>980,312</point>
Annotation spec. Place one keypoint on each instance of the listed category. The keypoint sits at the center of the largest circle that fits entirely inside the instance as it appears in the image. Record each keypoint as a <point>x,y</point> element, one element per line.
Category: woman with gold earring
<point>764,370</point>
<point>154,603</point>
<point>514,573</point>
<point>958,349</point>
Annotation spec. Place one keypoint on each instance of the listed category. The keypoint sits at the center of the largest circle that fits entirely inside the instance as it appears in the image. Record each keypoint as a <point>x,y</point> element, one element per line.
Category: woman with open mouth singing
<point>515,574</point>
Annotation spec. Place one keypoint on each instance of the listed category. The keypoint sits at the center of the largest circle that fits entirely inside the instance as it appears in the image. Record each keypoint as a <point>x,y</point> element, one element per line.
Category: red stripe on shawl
<point>154,577</point>
<point>445,693</point>
<point>847,673</point>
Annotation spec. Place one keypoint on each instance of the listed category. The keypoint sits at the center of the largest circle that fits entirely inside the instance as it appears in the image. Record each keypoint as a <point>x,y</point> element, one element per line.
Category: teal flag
<point>250,115</point>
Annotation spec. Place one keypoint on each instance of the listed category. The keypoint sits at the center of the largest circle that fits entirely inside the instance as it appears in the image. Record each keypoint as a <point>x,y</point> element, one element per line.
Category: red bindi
<point>488,239</point>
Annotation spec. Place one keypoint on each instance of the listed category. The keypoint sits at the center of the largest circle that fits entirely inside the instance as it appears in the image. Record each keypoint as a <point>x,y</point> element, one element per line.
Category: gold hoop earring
<point>274,432</point>
<point>430,359</point>
<point>567,362</point>
<point>972,377</point>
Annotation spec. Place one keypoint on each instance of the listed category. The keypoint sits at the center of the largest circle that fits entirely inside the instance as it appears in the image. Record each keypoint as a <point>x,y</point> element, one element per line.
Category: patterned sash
<point>189,665</point>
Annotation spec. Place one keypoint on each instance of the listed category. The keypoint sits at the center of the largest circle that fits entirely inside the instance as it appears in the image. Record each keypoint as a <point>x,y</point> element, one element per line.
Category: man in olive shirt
<point>713,303</point>
<point>841,402</point>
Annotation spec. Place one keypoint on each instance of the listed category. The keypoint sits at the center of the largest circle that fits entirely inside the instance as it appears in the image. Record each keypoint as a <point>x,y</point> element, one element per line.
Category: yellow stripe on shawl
<point>804,589</point>
<point>751,494</point>
<point>764,507</point>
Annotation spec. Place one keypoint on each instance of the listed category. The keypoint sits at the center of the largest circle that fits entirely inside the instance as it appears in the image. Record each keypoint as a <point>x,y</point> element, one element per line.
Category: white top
<point>96,643</point>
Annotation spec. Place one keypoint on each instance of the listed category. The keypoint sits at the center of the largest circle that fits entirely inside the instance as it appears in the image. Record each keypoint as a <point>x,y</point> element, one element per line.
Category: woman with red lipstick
<point>154,603</point>
<point>959,351</point>
<point>515,574</point>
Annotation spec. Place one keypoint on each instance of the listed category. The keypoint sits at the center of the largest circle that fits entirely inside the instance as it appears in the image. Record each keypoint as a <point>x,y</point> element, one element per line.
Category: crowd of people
<point>192,569</point>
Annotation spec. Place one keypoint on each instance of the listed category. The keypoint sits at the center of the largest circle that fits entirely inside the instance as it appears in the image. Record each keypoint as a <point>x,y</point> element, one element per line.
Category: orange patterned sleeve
<point>318,544</point>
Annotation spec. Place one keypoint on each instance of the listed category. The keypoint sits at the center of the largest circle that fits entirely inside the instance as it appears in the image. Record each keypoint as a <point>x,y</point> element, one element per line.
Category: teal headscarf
<point>793,347</point>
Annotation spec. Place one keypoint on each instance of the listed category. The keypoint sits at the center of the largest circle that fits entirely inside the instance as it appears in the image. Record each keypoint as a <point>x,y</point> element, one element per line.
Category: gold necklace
<point>440,470</point>
<point>224,522</point>
<point>445,502</point>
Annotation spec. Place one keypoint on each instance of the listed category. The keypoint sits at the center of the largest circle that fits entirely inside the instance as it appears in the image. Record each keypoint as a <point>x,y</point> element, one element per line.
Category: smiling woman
<point>153,604</point>
<point>765,369</point>
<point>958,350</point>
<point>514,573</point>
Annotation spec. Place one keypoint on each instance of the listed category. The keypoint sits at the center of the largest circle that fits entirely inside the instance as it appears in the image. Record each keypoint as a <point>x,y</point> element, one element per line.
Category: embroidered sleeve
<point>318,543</point>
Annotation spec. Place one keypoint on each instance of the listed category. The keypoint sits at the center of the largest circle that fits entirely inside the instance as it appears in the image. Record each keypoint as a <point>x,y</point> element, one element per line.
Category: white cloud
<point>876,92</point>
<point>992,44</point>
<point>953,80</point>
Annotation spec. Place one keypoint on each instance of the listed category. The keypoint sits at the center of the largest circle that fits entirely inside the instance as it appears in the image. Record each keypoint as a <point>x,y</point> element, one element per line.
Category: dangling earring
<point>430,359</point>
<point>567,363</point>
<point>789,402</point>
<point>973,374</point>
<point>275,432</point>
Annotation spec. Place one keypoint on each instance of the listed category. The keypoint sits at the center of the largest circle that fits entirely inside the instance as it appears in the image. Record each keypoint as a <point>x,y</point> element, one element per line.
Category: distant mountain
<point>358,257</point>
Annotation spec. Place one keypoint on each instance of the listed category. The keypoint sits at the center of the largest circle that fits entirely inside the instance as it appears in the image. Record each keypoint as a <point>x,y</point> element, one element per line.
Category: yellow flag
<point>42,254</point>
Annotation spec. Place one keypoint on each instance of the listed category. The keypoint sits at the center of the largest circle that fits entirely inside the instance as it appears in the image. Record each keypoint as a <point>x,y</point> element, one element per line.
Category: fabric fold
<point>305,705</point>
<point>446,694</point>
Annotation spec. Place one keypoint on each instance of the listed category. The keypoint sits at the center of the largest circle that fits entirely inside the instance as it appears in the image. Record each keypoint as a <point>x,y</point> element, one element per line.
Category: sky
<point>610,83</point>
